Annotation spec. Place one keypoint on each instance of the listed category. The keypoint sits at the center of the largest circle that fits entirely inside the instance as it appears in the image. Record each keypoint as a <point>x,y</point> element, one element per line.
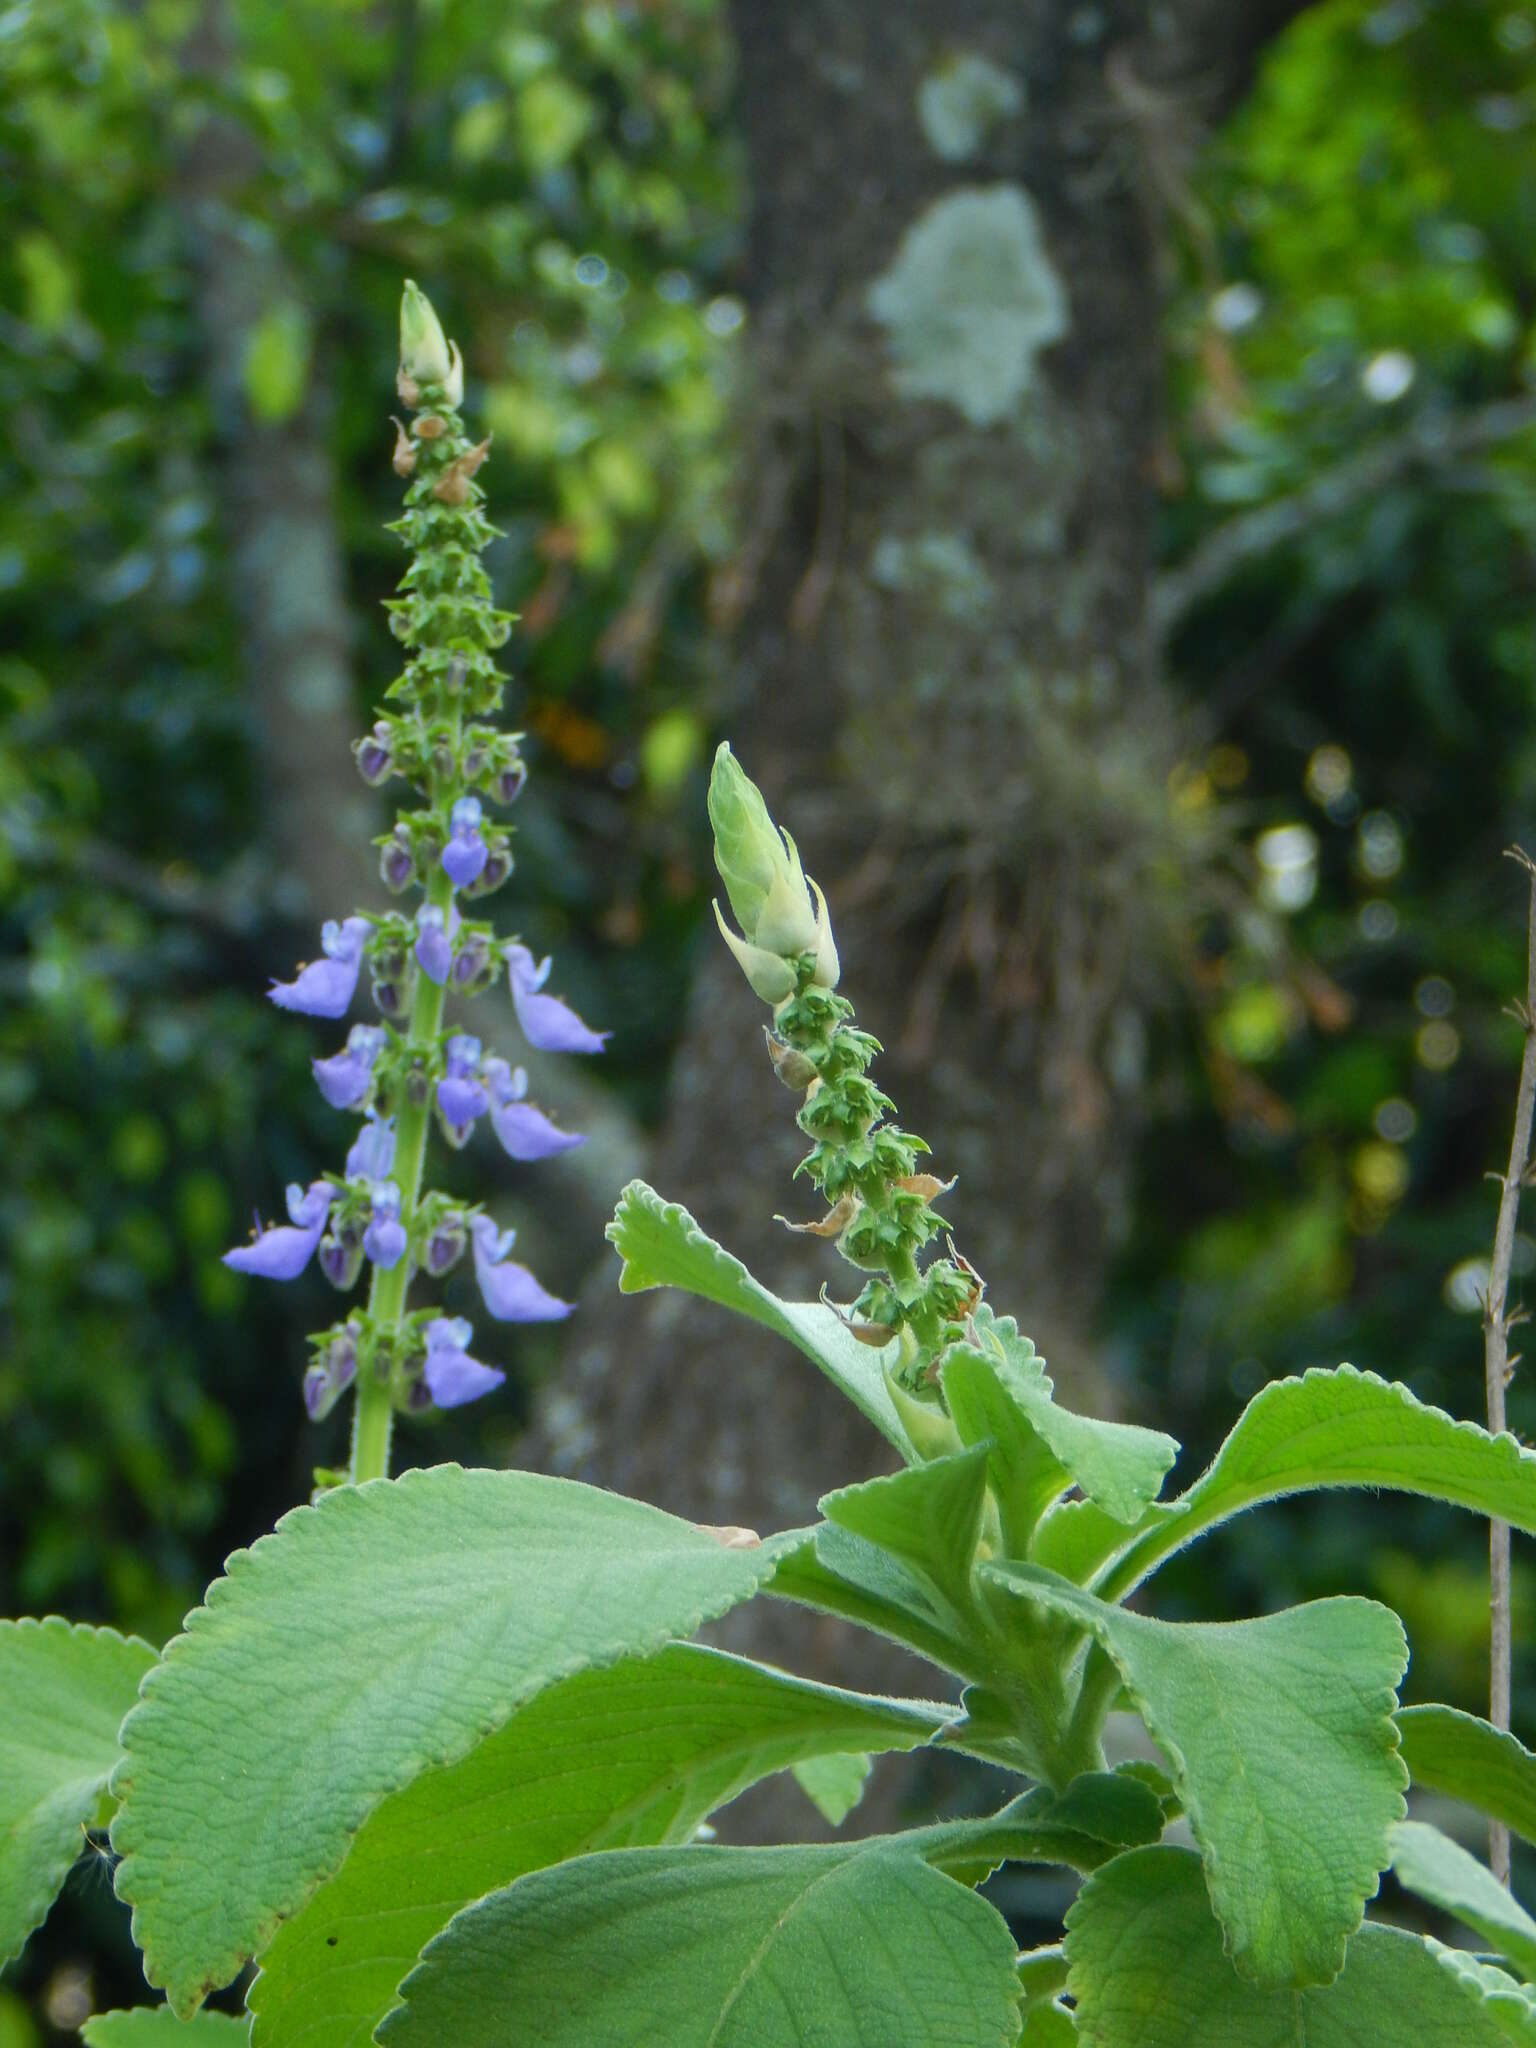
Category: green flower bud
<point>758,864</point>
<point>772,978</point>
<point>828,967</point>
<point>424,356</point>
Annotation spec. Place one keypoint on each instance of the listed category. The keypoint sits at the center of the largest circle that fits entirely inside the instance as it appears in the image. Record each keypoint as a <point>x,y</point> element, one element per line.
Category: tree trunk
<point>945,682</point>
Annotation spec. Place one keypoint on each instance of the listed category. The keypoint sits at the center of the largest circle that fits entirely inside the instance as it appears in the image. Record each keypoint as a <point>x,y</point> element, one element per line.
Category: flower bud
<point>772,979</point>
<point>375,755</point>
<point>424,357</point>
<point>758,864</point>
<point>341,1260</point>
<point>828,967</point>
<point>445,1247</point>
<point>508,786</point>
<point>397,863</point>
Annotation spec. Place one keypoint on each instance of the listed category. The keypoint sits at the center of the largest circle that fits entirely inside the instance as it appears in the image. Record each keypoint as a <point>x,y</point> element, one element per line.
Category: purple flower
<point>375,755</point>
<point>324,988</point>
<point>547,1022</point>
<point>344,1078</point>
<point>283,1253</point>
<point>452,1376</point>
<point>466,852</point>
<point>510,1291</point>
<point>384,1240</point>
<point>434,948</point>
<point>525,1132</point>
<point>459,1095</point>
<point>373,1150</point>
<point>397,862</point>
<point>509,782</point>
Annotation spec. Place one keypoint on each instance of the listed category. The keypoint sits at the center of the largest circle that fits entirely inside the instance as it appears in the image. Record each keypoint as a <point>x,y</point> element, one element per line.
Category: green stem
<point>373,1416</point>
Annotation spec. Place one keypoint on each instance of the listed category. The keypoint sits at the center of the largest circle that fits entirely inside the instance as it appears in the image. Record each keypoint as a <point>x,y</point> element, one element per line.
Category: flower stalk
<point>412,1070</point>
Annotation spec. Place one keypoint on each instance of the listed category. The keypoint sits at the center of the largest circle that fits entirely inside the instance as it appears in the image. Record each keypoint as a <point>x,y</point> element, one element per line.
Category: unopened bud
<point>404,457</point>
<point>319,1394</point>
<point>758,864</point>
<point>341,1261</point>
<point>445,1247</point>
<point>772,979</point>
<point>375,755</point>
<point>472,958</point>
<point>828,967</point>
<point>397,863</point>
<point>424,357</point>
<point>792,1067</point>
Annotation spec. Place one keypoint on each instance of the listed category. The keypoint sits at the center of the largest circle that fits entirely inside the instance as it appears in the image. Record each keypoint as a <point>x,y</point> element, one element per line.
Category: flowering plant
<point>437,1753</point>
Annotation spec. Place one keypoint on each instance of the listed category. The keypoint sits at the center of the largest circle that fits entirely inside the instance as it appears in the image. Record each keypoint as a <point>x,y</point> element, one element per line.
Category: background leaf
<point>1435,1868</point>
<point>863,1945</point>
<point>1279,1738</point>
<point>156,2026</point>
<point>636,1754</point>
<point>1147,1971</point>
<point>385,1630</point>
<point>65,1691</point>
<point>834,1784</point>
<point>1458,1754</point>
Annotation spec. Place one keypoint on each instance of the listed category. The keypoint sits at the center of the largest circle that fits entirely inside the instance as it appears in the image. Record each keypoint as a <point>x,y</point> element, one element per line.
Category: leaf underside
<point>1458,1754</point>
<point>383,1631</point>
<point>1440,1871</point>
<point>65,1690</point>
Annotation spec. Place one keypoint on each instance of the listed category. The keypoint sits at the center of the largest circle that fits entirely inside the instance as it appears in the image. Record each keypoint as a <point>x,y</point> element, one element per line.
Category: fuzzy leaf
<point>1439,1870</point>
<point>1510,2004</point>
<point>156,2026</point>
<point>997,1386</point>
<point>928,1516</point>
<point>662,1246</point>
<point>1279,1738</point>
<point>833,1784</point>
<point>1339,1428</point>
<point>65,1691</point>
<point>860,1944</point>
<point>634,1755</point>
<point>381,1632</point>
<point>1455,1753</point>
<point>1147,1971</point>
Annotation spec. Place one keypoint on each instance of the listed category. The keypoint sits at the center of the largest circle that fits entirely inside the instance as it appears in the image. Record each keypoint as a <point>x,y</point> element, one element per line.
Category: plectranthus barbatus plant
<point>414,1068</point>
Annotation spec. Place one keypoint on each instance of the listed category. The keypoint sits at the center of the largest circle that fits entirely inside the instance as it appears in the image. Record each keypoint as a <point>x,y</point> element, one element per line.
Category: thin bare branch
<point>1498,1366</point>
<point>1431,442</point>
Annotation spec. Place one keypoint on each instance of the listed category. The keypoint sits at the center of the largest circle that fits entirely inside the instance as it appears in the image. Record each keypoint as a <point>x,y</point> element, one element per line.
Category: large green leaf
<point>387,1629</point>
<point>929,1516</point>
<point>1147,1971</point>
<point>1439,1870</point>
<point>662,1246</point>
<point>837,1572</point>
<point>1279,1737</point>
<point>862,1945</point>
<point>636,1754</point>
<point>65,1691</point>
<point>997,1387</point>
<point>156,2026</point>
<point>1339,1428</point>
<point>1455,1753</point>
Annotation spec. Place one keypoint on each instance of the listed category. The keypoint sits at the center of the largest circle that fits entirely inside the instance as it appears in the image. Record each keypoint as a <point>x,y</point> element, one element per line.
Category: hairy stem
<point>373,1416</point>
<point>1497,1367</point>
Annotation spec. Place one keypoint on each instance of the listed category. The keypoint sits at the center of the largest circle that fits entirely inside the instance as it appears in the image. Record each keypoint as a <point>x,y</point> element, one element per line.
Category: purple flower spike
<point>384,1240</point>
<point>547,1023</point>
<point>459,1095</point>
<point>434,948</point>
<point>452,1376</point>
<point>466,852</point>
<point>526,1133</point>
<point>283,1253</point>
<point>373,1150</point>
<point>324,988</point>
<point>508,1290</point>
<point>344,1078</point>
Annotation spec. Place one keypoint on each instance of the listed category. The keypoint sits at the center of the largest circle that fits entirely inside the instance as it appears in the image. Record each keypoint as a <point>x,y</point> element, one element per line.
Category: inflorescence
<point>401,1074</point>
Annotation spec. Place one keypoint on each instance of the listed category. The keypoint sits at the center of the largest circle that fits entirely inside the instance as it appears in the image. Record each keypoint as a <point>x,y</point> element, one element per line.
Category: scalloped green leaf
<point>997,1387</point>
<point>860,1944</point>
<point>1147,1971</point>
<point>66,1689</point>
<point>662,1246</point>
<point>1467,1759</point>
<point>156,2026</point>
<point>1511,2005</point>
<point>928,1516</point>
<point>382,1632</point>
<point>1438,1870</point>
<point>1279,1737</point>
<point>1337,1428</point>
<point>634,1755</point>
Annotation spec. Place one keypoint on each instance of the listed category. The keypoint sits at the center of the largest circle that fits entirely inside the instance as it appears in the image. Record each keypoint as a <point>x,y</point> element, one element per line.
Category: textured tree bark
<point>945,681</point>
<point>278,512</point>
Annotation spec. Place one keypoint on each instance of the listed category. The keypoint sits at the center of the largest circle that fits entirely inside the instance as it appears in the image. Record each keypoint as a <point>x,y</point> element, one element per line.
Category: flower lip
<point>547,1023</point>
<point>373,1152</point>
<point>344,1079</point>
<point>325,987</point>
<point>282,1253</point>
<point>452,1377</point>
<point>510,1291</point>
